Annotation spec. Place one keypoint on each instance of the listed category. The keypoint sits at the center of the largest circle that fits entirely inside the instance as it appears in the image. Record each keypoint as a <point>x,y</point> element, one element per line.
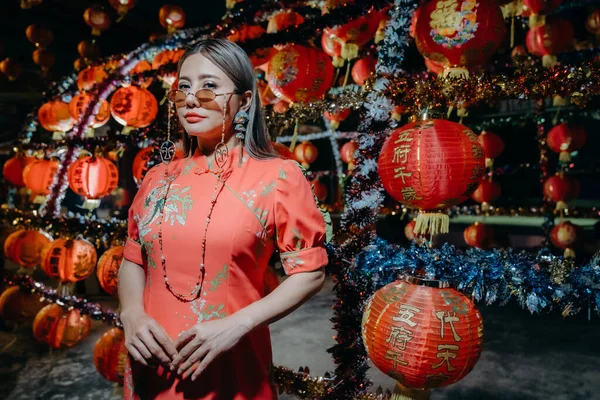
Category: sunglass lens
<point>205,95</point>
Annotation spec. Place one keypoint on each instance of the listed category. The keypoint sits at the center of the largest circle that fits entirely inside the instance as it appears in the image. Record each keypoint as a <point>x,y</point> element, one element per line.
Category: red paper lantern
<point>424,337</point>
<point>44,58</point>
<point>566,235</point>
<point>459,33</point>
<point>548,40</point>
<point>24,247</point>
<point>479,235</point>
<point>171,17</point>
<point>39,36</point>
<point>54,116</point>
<point>93,177</point>
<point>283,20</point>
<point>347,153</point>
<point>88,49</point>
<point>80,103</point>
<point>133,106</point>
<point>306,153</point>
<point>11,68</point>
<point>110,355</point>
<point>60,328</point>
<point>300,74</point>
<point>13,169</point>
<point>90,77</point>
<point>487,191</point>
<point>108,269</point>
<point>246,32</point>
<point>284,151</point>
<point>167,57</point>
<point>560,189</point>
<point>140,164</point>
<point>333,48</point>
<point>431,165</point>
<point>97,18</point>
<point>592,23</point>
<point>261,57</point>
<point>69,260</point>
<point>362,69</point>
<point>122,6</point>
<point>39,175</point>
<point>319,189</point>
<point>492,144</point>
<point>335,118</point>
<point>565,139</point>
<point>19,305</point>
<point>139,68</point>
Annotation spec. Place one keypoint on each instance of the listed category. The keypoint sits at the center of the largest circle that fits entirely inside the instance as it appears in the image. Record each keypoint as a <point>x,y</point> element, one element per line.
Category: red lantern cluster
<point>284,151</point>
<point>548,40</point>
<point>140,164</point>
<point>487,192</point>
<point>362,69</point>
<point>492,146</point>
<point>335,118</point>
<point>565,139</point>
<point>319,189</point>
<point>424,337</point>
<point>283,20</point>
<point>18,305</point>
<point>60,328</point>
<point>68,260</point>
<point>90,77</point>
<point>110,355</point>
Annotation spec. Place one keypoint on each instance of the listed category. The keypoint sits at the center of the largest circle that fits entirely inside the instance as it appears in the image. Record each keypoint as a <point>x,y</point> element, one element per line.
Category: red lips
<point>192,117</point>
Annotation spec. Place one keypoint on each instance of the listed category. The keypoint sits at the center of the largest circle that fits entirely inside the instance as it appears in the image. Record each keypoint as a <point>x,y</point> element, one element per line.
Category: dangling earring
<point>240,120</point>
<point>167,149</point>
<point>221,151</point>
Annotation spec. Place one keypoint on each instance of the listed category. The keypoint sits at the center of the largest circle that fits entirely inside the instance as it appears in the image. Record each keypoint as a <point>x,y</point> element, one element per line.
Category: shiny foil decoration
<point>13,169</point>
<point>93,177</point>
<point>110,355</point>
<point>479,235</point>
<point>90,77</point>
<point>39,175</point>
<point>60,328</point>
<point>300,74</point>
<point>422,336</point>
<point>24,247</point>
<point>69,260</point>
<point>79,104</point>
<point>566,138</point>
<point>19,305</point>
<point>54,116</point>
<point>459,33</point>
<point>133,107</point>
<point>107,270</point>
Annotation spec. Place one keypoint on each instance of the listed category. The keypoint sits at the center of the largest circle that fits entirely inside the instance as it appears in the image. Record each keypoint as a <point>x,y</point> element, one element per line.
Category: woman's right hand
<point>145,338</point>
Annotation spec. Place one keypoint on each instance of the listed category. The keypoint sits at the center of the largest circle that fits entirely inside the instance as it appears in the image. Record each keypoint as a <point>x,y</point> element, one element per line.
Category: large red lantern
<point>108,269</point>
<point>13,169</point>
<point>110,355</point>
<point>566,236</point>
<point>39,175</point>
<point>60,328</point>
<point>565,139</point>
<point>140,164</point>
<point>300,74</point>
<point>551,39</point>
<point>492,145</point>
<point>93,177</point>
<point>171,17</point>
<point>561,189</point>
<point>133,107</point>
<point>90,77</point>
<point>306,153</point>
<point>24,247</point>
<point>81,102</point>
<point>479,235</point>
<point>19,305</point>
<point>54,116</point>
<point>423,336</point>
<point>283,20</point>
<point>487,191</point>
<point>431,165</point>
<point>362,69</point>
<point>97,18</point>
<point>69,260</point>
<point>459,33</point>
<point>347,154</point>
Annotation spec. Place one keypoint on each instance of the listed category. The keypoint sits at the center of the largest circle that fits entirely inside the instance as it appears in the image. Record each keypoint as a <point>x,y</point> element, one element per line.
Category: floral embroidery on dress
<point>219,278</point>
<point>206,312</point>
<point>250,196</point>
<point>269,188</point>
<point>291,261</point>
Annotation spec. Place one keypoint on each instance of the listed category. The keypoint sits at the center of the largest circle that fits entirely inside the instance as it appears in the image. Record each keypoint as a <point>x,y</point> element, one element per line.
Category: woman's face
<point>205,119</point>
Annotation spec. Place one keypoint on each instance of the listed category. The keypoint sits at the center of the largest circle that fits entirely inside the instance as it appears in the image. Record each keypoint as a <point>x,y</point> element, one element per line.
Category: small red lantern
<point>300,74</point>
<point>347,153</point>
<point>139,68</point>
<point>283,20</point>
<point>81,102</point>
<point>319,189</point>
<point>54,116</point>
<point>122,6</point>
<point>11,68</point>
<point>171,17</point>
<point>60,328</point>
<point>479,235</point>
<point>90,77</point>
<point>19,305</point>
<point>39,175</point>
<point>560,189</point>
<point>24,247</point>
<point>441,177</point>
<point>69,260</point>
<point>93,177</point>
<point>140,164</point>
<point>97,18</point>
<point>487,192</point>
<point>88,50</point>
<point>44,58</point>
<point>459,34</point>
<point>551,39</point>
<point>423,336</point>
<point>534,8</point>
<point>592,23</point>
<point>107,270</point>
<point>306,153</point>
<point>566,235</point>
<point>110,355</point>
<point>134,107</point>
<point>362,69</point>
<point>492,145</point>
<point>39,36</point>
<point>246,32</point>
<point>335,118</point>
<point>284,151</point>
<point>565,139</point>
<point>13,169</point>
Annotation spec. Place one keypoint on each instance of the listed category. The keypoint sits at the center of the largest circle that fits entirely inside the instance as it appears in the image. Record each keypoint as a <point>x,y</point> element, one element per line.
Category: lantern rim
<point>433,283</point>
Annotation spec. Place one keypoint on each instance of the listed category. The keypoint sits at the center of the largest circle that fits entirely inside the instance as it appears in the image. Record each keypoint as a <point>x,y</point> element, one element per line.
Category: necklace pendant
<point>221,155</point>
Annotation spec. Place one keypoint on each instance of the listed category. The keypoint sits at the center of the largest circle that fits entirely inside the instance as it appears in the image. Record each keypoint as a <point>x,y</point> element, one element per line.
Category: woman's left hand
<point>205,341</point>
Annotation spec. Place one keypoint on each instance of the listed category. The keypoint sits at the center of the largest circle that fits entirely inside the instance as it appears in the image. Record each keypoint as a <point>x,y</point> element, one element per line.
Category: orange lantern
<point>140,164</point>
<point>592,23</point>
<point>422,335</point>
<point>60,328</point>
<point>300,74</point>
<point>69,260</point>
<point>39,175</point>
<point>97,18</point>
<point>19,305</point>
<point>548,40</point>
<point>134,107</point>
<point>122,6</point>
<point>283,20</point>
<point>90,77</point>
<point>487,192</point>
<point>362,69</point>
<point>319,189</point>
<point>108,269</point>
<point>54,116</point>
<point>479,235</point>
<point>93,177</point>
<point>11,68</point>
<point>306,154</point>
<point>459,34</point>
<point>560,189</point>
<point>139,68</point>
<point>13,169</point>
<point>44,58</point>
<point>284,151</point>
<point>24,247</point>
<point>565,139</point>
<point>110,355</point>
<point>88,49</point>
<point>171,17</point>
<point>81,102</point>
<point>441,177</point>
<point>39,36</point>
<point>80,64</point>
<point>566,235</point>
<point>246,32</point>
<point>347,153</point>
<point>492,146</point>
<point>335,118</point>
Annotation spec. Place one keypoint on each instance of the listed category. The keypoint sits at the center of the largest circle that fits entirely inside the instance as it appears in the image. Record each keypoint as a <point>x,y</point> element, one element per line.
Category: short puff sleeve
<point>299,223</point>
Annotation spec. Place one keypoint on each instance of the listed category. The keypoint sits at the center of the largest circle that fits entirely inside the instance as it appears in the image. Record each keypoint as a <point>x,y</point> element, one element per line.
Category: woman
<point>201,232</point>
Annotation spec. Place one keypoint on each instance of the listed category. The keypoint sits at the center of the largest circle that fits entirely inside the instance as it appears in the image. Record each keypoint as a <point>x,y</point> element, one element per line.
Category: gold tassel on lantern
<point>403,393</point>
<point>432,223</point>
<point>569,253</point>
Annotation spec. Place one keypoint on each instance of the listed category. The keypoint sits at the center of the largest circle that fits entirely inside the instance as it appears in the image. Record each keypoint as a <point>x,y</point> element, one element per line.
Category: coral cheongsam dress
<point>264,206</point>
